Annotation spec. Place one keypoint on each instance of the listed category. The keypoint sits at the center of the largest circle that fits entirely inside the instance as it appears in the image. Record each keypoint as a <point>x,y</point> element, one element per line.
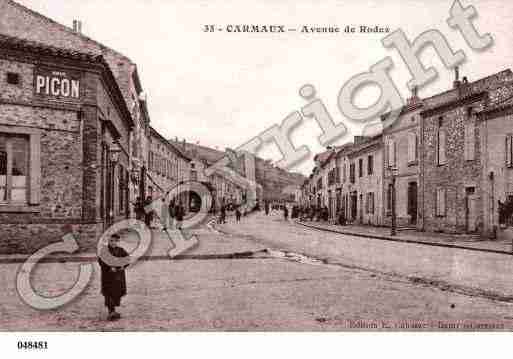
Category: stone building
<point>495,124</point>
<point>22,22</point>
<point>401,159</point>
<point>452,158</point>
<point>65,135</point>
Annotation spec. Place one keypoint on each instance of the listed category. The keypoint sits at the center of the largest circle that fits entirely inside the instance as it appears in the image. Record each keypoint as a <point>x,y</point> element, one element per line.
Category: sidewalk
<point>210,245</point>
<point>412,236</point>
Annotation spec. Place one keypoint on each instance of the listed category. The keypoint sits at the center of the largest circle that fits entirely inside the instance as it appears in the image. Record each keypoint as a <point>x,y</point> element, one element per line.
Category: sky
<point>222,89</point>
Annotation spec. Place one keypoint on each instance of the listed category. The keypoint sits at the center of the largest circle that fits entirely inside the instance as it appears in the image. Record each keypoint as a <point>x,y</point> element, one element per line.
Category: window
<point>469,149</point>
<point>389,199</point>
<point>441,147</point>
<point>509,151</point>
<point>370,203</point>
<point>360,167</point>
<point>352,173</point>
<point>412,147</point>
<point>13,78</point>
<point>440,202</point>
<point>370,165</point>
<point>345,173</point>
<point>14,169</point>
<point>391,153</point>
<point>440,144</point>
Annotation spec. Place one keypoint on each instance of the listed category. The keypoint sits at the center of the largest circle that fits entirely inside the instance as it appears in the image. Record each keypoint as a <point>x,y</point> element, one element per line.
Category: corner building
<point>64,152</point>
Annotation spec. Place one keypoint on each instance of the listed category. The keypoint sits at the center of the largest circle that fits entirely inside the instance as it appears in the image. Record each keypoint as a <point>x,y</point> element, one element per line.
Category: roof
<point>357,148</point>
<point>323,156</point>
<point>207,154</point>
<point>112,57</point>
<point>61,26</point>
<point>171,146</point>
<point>16,43</point>
<point>470,89</point>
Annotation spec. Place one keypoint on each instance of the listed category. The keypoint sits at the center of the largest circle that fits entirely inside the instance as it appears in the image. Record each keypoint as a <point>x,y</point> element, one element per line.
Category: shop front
<point>64,145</point>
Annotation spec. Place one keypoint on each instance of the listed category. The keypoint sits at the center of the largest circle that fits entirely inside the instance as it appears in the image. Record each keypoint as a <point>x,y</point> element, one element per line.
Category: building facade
<point>496,129</point>
<point>364,189</point>
<point>64,146</point>
<point>401,160</point>
<point>22,22</point>
<point>452,159</point>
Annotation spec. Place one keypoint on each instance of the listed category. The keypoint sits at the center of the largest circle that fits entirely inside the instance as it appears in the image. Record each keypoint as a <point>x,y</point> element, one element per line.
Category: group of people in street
<point>321,213</point>
<point>171,214</point>
<point>237,211</point>
<point>305,213</point>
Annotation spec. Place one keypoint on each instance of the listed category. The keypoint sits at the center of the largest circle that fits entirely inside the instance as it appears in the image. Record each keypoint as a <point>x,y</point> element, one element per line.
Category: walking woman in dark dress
<point>113,279</point>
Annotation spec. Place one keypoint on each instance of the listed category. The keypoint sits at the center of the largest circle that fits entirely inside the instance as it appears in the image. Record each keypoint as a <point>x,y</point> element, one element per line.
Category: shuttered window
<point>391,153</point>
<point>412,147</point>
<point>509,151</point>
<point>440,202</point>
<point>441,147</point>
<point>469,142</point>
<point>370,203</point>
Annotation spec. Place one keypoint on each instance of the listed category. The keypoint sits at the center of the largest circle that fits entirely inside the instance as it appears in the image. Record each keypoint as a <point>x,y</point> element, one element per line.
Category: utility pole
<point>393,230</point>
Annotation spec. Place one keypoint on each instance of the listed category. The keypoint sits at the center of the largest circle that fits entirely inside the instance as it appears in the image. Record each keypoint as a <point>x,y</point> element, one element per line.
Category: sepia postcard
<point>261,166</point>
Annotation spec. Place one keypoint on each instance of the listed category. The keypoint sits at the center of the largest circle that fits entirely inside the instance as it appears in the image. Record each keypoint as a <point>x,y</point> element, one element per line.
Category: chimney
<point>77,26</point>
<point>457,82</point>
<point>183,144</point>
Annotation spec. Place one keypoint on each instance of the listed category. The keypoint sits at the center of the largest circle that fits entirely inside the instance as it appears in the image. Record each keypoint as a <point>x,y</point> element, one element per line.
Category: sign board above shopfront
<point>57,83</point>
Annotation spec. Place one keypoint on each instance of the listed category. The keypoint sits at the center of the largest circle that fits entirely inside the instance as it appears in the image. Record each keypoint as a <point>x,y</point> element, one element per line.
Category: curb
<point>411,241</point>
<point>93,258</point>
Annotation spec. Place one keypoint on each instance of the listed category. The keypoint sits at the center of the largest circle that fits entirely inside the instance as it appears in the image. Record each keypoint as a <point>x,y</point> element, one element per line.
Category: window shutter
<point>509,149</point>
<point>411,147</point>
<point>391,153</point>
<point>440,202</point>
<point>35,169</point>
<point>469,142</point>
<point>443,200</point>
<point>441,147</point>
<point>394,162</point>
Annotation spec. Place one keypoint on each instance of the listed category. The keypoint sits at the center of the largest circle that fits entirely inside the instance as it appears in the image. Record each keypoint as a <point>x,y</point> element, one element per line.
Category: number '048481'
<point>31,345</point>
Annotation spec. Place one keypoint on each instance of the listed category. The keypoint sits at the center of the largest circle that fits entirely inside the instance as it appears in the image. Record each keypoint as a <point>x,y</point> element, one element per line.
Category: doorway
<point>470,209</point>
<point>412,202</point>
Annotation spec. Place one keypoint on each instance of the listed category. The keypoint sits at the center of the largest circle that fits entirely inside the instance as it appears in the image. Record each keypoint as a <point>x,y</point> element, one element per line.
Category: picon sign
<point>62,84</point>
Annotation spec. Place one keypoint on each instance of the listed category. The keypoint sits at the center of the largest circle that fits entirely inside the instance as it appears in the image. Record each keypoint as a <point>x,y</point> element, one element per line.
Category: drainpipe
<point>421,174</point>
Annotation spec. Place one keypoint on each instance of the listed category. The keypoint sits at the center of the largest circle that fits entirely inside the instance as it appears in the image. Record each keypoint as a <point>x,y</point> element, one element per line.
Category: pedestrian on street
<point>164,215</point>
<point>113,279</point>
<point>179,214</point>
<point>172,214</point>
<point>286,213</point>
<point>237,214</point>
<point>139,208</point>
<point>222,218</point>
<point>148,215</point>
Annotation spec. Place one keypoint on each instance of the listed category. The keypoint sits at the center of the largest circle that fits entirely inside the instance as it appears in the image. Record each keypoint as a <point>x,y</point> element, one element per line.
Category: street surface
<point>340,283</point>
